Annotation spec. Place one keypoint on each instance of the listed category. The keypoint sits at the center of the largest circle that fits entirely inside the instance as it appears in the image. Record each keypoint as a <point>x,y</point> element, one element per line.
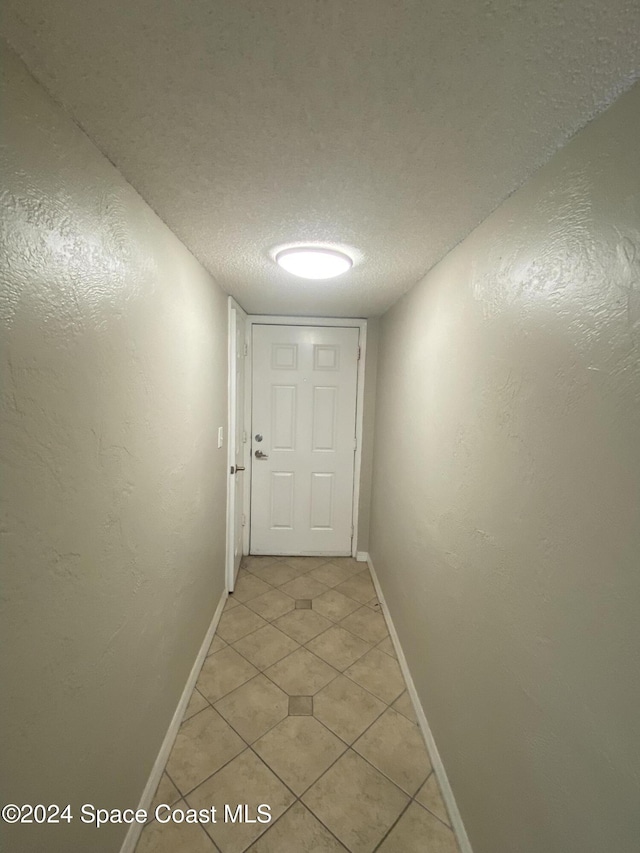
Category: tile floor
<point>301,705</point>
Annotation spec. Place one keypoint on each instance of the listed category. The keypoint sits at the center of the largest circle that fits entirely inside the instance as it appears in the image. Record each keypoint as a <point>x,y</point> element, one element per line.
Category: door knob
<point>260,455</point>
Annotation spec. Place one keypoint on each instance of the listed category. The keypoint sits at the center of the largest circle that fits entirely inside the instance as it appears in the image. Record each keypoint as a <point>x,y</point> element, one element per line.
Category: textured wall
<point>113,382</point>
<point>506,509</point>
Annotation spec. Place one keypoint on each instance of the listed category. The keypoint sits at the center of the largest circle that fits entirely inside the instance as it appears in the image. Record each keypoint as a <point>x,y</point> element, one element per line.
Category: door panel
<point>303,428</point>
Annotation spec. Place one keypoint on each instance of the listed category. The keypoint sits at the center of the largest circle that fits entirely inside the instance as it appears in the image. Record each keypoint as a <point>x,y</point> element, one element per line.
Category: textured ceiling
<point>392,126</point>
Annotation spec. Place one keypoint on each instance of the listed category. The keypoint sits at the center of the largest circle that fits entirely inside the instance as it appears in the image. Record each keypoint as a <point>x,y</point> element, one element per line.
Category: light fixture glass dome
<point>314,262</point>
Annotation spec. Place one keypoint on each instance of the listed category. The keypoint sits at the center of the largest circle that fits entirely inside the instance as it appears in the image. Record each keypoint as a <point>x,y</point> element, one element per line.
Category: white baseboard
<point>436,761</point>
<point>133,835</point>
<point>362,557</point>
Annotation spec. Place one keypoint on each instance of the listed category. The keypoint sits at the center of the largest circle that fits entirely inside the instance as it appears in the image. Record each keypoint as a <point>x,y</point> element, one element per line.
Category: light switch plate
<point>220,436</point>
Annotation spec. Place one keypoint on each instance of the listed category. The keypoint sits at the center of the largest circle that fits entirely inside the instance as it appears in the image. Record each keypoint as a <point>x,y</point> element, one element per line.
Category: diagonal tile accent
<point>204,743</point>
<point>395,746</point>
<point>272,604</point>
<point>338,647</point>
<point>379,674</point>
<point>297,831</point>
<point>238,623</point>
<point>302,625</point>
<point>265,646</point>
<point>386,646</point>
<point>301,706</point>
<point>417,831</point>
<point>346,708</point>
<point>245,780</point>
<point>223,672</point>
<point>359,821</point>
<point>301,673</point>
<point>254,708</point>
<point>299,750</point>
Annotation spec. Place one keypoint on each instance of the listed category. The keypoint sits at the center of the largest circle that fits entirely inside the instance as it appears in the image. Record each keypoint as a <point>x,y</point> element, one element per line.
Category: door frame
<point>340,322</point>
<point>232,391</point>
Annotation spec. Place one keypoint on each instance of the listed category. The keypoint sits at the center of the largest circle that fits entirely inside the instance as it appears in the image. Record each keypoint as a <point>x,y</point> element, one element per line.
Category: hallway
<point>301,705</point>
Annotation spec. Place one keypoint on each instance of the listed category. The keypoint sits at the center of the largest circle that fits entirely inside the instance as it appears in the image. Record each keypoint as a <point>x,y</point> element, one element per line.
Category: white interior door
<point>303,439</point>
<point>237,447</point>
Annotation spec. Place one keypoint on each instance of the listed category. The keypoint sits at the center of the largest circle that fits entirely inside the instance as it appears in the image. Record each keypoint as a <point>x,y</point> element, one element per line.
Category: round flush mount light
<point>313,262</point>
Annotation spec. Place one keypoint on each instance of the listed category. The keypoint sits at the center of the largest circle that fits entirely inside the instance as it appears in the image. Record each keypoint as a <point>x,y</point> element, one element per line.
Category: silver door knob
<point>260,455</point>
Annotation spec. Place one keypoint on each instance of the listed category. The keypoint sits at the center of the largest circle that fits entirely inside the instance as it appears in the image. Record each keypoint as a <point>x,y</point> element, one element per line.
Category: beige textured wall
<point>505,525</point>
<point>114,382</point>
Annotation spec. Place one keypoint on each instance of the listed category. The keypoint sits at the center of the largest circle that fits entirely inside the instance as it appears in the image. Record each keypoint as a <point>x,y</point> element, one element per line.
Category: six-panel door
<point>303,431</point>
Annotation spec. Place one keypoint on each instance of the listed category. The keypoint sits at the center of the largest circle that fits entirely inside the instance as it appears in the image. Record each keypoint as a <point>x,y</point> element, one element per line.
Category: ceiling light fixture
<point>314,262</point>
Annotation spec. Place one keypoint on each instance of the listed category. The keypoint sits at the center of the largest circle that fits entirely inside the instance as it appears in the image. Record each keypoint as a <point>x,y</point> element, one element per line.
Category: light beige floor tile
<point>265,646</point>
<point>249,587</point>
<point>338,647</point>
<point>367,624</point>
<point>245,780</point>
<point>305,564</point>
<point>431,798</point>
<point>173,837</point>
<point>204,743</point>
<point>166,793</point>
<point>196,703</point>
<point>359,587</point>
<point>418,831</point>
<point>297,831</point>
<point>254,708</point>
<point>216,644</point>
<point>355,565</point>
<point>223,672</point>
<point>356,803</point>
<point>330,574</point>
<point>375,605</point>
<point>301,673</point>
<point>230,603</point>
<point>404,706</point>
<point>302,625</point>
<point>346,708</point>
<point>379,674</point>
<point>272,604</point>
<point>395,746</point>
<point>254,563</point>
<point>238,623</point>
<point>276,573</point>
<point>304,587</point>
<point>334,605</point>
<point>386,646</point>
<point>299,750</point>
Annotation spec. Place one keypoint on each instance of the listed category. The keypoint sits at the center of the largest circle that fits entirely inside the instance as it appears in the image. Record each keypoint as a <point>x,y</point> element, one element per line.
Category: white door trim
<point>341,322</point>
<point>231,437</point>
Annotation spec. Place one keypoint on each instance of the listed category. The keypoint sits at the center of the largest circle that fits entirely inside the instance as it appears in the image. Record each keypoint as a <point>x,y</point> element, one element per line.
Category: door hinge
<point>355,442</point>
<point>359,353</point>
<point>244,519</point>
<point>246,349</point>
<point>244,436</point>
